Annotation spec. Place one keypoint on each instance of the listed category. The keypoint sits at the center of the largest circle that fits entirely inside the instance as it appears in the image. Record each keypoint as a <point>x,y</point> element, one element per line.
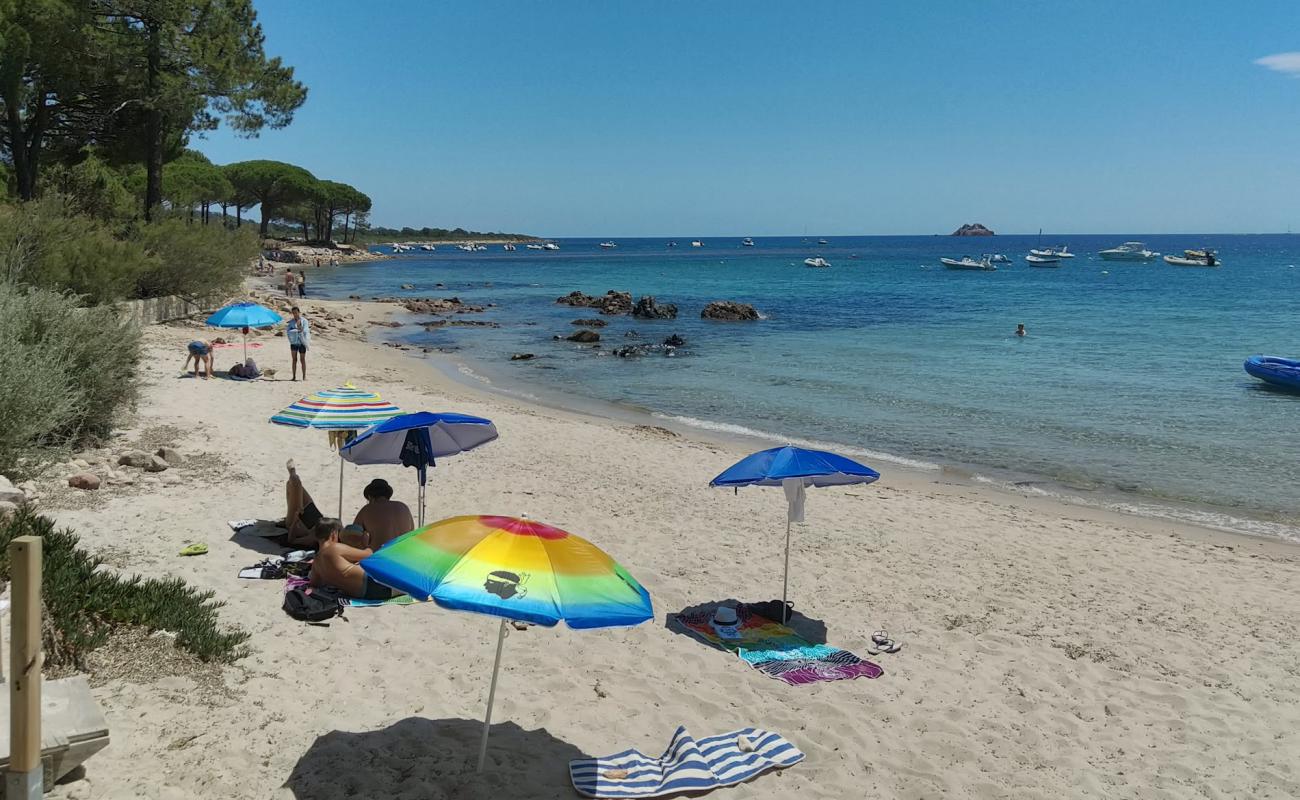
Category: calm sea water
<point>1128,390</point>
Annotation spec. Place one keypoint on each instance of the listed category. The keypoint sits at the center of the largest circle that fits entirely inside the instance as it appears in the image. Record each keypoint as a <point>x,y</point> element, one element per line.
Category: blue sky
<point>765,118</point>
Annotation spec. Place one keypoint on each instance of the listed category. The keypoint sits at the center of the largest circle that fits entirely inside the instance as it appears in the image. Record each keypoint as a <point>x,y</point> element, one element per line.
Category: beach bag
<point>312,604</point>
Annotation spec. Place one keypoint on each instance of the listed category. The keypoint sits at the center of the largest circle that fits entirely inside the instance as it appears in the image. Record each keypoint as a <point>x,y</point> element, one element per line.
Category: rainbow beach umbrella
<point>346,409</point>
<point>515,569</point>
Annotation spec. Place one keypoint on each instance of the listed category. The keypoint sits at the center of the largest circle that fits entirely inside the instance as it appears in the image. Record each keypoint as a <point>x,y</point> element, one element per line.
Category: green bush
<point>84,603</point>
<point>68,373</point>
<point>195,260</point>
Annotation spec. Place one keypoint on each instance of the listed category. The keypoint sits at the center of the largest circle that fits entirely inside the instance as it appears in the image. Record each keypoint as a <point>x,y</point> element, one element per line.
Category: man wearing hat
<point>383,517</point>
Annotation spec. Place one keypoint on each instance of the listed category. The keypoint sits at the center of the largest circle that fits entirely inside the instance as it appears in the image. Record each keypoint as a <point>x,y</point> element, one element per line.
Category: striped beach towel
<point>688,765</point>
<point>777,651</point>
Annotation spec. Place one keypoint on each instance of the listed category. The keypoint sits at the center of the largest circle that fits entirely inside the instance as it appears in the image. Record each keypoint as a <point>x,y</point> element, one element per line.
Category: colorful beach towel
<point>399,600</point>
<point>688,765</point>
<point>777,651</point>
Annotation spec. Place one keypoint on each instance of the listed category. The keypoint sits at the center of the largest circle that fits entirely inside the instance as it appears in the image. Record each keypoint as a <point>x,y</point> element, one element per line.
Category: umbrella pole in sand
<point>492,693</point>
<point>340,483</point>
<point>785,582</point>
<point>421,494</point>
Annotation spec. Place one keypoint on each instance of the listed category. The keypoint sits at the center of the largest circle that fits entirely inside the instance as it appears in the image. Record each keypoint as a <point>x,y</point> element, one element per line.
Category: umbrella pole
<point>340,484</point>
<point>492,693</point>
<point>422,491</point>
<point>785,582</point>
<point>245,346</point>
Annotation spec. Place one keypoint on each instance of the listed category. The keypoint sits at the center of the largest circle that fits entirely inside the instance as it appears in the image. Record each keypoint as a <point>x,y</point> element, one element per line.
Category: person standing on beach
<point>289,283</point>
<point>302,283</point>
<point>298,332</point>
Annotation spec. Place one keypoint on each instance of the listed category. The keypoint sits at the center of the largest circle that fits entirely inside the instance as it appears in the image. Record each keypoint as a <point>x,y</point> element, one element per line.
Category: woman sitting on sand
<point>335,565</point>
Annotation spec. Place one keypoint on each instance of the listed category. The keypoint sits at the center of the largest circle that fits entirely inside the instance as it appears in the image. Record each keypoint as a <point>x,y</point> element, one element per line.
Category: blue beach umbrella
<point>794,469</point>
<point>244,315</point>
<point>415,440</point>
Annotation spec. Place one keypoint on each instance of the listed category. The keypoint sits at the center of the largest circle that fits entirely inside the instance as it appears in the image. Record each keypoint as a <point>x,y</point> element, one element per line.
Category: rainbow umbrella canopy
<point>511,568</point>
<point>342,411</point>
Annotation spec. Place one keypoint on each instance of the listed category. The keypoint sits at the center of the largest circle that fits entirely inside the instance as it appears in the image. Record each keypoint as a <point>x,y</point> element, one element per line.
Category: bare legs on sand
<point>296,499</point>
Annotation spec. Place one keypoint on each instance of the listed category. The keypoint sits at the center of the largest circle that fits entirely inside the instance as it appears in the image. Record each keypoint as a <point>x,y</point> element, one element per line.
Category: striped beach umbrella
<point>511,568</point>
<point>346,409</point>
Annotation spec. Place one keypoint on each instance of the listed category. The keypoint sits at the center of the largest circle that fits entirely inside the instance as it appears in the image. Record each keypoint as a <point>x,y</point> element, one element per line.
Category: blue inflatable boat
<point>1284,372</point>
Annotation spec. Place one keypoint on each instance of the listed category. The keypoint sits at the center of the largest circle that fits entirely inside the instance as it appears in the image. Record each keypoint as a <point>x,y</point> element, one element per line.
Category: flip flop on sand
<point>880,637</point>
<point>196,549</point>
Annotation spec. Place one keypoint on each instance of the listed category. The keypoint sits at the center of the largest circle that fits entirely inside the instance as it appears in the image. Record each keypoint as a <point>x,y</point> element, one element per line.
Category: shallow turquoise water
<point>1129,387</point>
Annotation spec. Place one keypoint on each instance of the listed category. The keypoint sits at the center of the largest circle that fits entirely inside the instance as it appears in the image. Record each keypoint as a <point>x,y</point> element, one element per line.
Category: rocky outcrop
<point>611,302</point>
<point>972,229</point>
<point>171,455</point>
<point>459,323</point>
<point>10,493</point>
<point>522,357</point>
<point>590,323</point>
<point>647,308</point>
<point>432,305</point>
<point>674,341</point>
<point>584,337</point>
<point>729,310</point>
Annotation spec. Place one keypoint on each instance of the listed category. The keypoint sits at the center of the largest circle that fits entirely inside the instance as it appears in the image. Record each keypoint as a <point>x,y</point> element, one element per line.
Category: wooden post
<point>25,778</point>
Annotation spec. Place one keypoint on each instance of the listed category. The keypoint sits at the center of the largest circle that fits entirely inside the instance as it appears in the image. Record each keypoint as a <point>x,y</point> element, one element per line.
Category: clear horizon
<point>757,119</point>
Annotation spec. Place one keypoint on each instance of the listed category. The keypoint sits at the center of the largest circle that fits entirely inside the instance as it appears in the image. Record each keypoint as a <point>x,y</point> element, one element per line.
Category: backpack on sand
<point>313,604</point>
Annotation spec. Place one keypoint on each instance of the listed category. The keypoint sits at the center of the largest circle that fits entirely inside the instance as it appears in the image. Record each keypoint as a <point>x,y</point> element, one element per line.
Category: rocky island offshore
<point>972,229</point>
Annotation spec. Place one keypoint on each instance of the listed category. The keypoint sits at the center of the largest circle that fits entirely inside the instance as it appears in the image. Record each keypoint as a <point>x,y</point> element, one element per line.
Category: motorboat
<point>508,246</point>
<point>533,246</point>
<point>428,248</point>
<point>672,244</point>
<point>467,247</point>
<point>967,262</point>
<point>1283,372</point>
<point>999,258</point>
<point>818,262</point>
<point>1060,251</point>
<point>608,245</point>
<point>480,247</point>
<point>1042,261</point>
<point>697,243</point>
<point>1129,251</point>
<point>550,246</point>
<point>1195,258</point>
<point>747,242</point>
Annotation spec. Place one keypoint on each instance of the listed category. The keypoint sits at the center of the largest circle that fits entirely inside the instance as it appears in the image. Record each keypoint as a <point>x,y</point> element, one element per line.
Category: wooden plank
<point>25,657</point>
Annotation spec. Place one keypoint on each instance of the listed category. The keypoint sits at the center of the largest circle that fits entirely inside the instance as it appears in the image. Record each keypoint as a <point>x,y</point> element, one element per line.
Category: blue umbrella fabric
<point>244,315</point>
<point>416,440</point>
<point>794,469</point>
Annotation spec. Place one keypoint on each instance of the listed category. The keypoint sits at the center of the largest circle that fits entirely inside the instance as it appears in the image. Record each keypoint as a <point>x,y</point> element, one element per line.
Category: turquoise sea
<point>1128,391</point>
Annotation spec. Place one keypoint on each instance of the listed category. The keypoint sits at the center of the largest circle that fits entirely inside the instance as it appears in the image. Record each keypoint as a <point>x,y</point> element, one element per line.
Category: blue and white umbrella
<point>416,440</point>
<point>244,315</point>
<point>794,469</point>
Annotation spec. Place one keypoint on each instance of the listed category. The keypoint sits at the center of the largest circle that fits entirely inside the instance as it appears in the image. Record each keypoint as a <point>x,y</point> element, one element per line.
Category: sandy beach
<point>1049,651</point>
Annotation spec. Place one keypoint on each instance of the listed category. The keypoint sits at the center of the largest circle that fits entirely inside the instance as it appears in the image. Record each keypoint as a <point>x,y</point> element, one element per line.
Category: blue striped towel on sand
<point>688,765</point>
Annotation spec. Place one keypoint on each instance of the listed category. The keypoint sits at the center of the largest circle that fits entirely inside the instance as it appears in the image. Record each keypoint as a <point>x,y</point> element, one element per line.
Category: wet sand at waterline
<point>1049,651</point>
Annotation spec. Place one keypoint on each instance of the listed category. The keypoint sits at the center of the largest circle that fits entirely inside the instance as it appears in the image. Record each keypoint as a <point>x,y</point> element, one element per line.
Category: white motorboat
<point>428,248</point>
<point>533,246</point>
<point>747,242</point>
<point>508,246</point>
<point>818,262</point>
<point>1042,261</point>
<point>822,241</point>
<point>608,245</point>
<point>480,247</point>
<point>1060,251</point>
<point>697,243</point>
<point>984,264</point>
<point>468,248</point>
<point>672,244</point>
<point>1195,258</point>
<point>1129,251</point>
<point>999,258</point>
<point>550,246</point>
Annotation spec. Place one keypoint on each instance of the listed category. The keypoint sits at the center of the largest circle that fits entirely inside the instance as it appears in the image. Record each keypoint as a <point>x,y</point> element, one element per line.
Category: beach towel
<point>232,345</point>
<point>688,765</point>
<point>777,651</point>
<point>237,525</point>
<point>398,600</point>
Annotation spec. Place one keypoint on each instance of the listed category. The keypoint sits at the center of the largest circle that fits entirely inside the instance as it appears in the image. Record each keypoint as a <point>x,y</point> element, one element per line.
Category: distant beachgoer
<point>201,352</point>
<point>1020,329</point>
<point>317,264</point>
<point>302,281</point>
<point>334,261</point>
<point>383,517</point>
<point>298,332</point>
<point>335,565</point>
<point>290,283</point>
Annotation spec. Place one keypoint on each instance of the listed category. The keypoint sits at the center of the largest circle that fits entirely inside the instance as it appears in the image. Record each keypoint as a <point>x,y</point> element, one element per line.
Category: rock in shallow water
<point>647,308</point>
<point>729,310</point>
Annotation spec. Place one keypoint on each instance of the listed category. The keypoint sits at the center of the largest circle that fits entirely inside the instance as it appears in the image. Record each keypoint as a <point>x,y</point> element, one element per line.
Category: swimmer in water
<point>1020,329</point>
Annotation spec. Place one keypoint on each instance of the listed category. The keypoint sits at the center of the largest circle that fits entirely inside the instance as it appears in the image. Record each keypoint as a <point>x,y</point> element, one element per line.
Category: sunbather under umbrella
<point>794,469</point>
<point>342,412</point>
<point>515,569</point>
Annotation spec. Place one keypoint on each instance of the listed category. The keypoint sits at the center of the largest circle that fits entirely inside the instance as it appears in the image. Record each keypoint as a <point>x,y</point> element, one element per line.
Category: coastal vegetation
<point>372,235</point>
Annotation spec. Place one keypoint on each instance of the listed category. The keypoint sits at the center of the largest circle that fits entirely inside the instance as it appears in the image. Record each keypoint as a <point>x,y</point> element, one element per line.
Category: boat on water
<point>550,246</point>
<point>1042,261</point>
<point>508,246</point>
<point>822,241</point>
<point>818,262</point>
<point>1129,251</point>
<point>467,247</point>
<point>697,243</point>
<point>608,245</point>
<point>1195,258</point>
<point>1283,372</point>
<point>533,246</point>
<point>428,248</point>
<point>966,262</point>
<point>672,244</point>
<point>747,242</point>
<point>1058,252</point>
<point>999,258</point>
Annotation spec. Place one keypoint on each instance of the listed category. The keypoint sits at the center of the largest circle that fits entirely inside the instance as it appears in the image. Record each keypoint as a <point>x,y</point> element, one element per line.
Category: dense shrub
<point>194,260</point>
<point>85,603</point>
<point>67,372</point>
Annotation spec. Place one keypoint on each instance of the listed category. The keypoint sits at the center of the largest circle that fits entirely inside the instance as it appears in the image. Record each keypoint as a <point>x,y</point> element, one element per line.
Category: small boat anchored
<point>817,262</point>
<point>999,258</point>
<point>1195,258</point>
<point>1058,252</point>
<point>1042,261</point>
<point>697,243</point>
<point>985,264</point>
<point>428,248</point>
<point>747,242</point>
<point>508,247</point>
<point>608,245</point>
<point>550,246</point>
<point>1282,372</point>
<point>1129,251</point>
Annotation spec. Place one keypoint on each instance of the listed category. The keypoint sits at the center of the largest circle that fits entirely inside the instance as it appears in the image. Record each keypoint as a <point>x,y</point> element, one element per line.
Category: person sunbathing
<point>335,565</point>
<point>382,517</point>
<point>301,515</point>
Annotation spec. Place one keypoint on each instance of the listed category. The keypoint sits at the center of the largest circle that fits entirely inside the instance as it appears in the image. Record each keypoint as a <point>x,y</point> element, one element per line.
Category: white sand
<point>1050,651</point>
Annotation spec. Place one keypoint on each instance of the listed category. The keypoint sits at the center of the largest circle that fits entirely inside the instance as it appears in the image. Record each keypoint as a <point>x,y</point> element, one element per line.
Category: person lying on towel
<point>336,565</point>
